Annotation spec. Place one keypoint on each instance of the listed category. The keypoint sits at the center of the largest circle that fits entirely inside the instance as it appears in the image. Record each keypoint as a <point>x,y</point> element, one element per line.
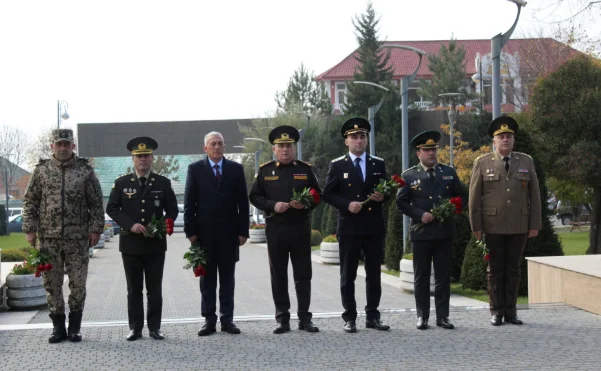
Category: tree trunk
<point>595,233</point>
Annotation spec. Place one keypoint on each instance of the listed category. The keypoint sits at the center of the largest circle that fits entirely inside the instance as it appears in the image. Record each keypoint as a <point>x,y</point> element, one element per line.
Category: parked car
<point>15,211</point>
<point>15,223</point>
<point>564,212</point>
<point>116,228</point>
<point>179,221</point>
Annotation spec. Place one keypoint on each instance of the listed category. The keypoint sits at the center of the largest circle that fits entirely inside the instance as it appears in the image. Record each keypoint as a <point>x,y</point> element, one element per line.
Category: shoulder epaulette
<point>523,154</point>
<point>266,163</point>
<point>339,158</point>
<point>42,160</point>
<point>411,168</point>
<point>85,161</point>
<point>377,158</point>
<point>303,162</point>
<point>482,156</point>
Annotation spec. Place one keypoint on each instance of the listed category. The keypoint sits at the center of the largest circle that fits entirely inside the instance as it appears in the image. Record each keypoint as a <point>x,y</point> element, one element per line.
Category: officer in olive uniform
<point>288,228</point>
<point>134,200</point>
<point>504,205</point>
<point>351,179</point>
<point>428,184</point>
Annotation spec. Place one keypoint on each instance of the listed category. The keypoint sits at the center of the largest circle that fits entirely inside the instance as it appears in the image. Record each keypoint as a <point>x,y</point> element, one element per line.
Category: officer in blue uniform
<point>428,184</point>
<point>351,179</point>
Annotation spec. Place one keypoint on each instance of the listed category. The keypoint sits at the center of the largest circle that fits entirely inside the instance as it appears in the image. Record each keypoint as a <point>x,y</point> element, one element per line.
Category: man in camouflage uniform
<point>63,208</point>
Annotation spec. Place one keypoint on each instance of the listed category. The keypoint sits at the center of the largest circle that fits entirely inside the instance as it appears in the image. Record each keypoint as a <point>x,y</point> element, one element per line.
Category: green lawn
<point>392,272</point>
<point>14,240</point>
<point>574,243</point>
<point>481,295</point>
<point>316,247</point>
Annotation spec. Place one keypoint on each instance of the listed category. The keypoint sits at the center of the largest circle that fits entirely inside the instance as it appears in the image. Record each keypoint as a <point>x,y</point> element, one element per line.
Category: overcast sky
<point>119,61</point>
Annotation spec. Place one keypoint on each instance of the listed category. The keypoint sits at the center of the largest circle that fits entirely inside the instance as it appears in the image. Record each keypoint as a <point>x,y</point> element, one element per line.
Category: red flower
<point>457,202</point>
<point>487,256</point>
<point>48,266</point>
<point>37,274</point>
<point>398,180</point>
<point>200,271</point>
<point>169,223</point>
<point>316,197</point>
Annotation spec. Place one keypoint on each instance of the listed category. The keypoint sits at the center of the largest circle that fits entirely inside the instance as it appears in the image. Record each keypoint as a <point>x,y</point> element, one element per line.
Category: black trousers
<point>292,241</point>
<point>138,268</point>
<point>426,252</point>
<point>504,271</point>
<point>350,249</point>
<point>208,287</point>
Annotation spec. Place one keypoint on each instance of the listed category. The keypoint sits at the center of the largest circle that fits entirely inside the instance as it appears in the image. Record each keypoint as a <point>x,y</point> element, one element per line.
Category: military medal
<point>130,193</point>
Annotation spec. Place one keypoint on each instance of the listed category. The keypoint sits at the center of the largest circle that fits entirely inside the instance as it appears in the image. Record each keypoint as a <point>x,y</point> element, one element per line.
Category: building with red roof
<point>522,61</point>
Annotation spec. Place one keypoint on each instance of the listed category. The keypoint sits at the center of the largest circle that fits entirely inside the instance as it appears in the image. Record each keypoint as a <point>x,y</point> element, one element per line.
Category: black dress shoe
<point>514,320</point>
<point>422,323</point>
<point>157,334</point>
<point>307,326</point>
<point>444,323</point>
<point>206,330</point>
<point>133,335</point>
<point>230,328</point>
<point>350,326</point>
<point>377,324</point>
<point>496,320</point>
<point>282,327</point>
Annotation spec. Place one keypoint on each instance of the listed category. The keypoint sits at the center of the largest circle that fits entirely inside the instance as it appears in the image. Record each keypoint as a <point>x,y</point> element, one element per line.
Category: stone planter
<point>100,244</point>
<point>25,291</point>
<point>91,252</point>
<point>257,235</point>
<point>112,232</point>
<point>329,252</point>
<point>407,276</point>
<point>107,235</point>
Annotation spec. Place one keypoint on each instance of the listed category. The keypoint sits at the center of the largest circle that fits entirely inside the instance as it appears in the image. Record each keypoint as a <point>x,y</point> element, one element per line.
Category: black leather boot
<point>59,333</point>
<point>74,333</point>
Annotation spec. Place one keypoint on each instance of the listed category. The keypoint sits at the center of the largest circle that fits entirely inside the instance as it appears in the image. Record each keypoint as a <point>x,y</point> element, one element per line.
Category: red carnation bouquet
<point>387,187</point>
<point>37,262</point>
<point>444,211</point>
<point>308,197</point>
<point>157,228</point>
<point>196,257</point>
<point>485,250</point>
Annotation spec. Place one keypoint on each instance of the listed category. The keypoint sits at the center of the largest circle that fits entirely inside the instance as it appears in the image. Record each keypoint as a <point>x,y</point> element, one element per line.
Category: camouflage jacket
<point>63,200</point>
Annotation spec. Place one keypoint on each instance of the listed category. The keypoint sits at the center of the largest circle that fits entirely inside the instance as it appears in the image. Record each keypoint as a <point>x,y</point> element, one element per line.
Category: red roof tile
<point>404,61</point>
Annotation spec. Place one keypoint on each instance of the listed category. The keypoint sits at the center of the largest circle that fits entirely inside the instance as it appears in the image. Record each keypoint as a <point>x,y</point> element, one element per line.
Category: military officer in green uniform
<point>63,208</point>
<point>288,228</point>
<point>134,200</point>
<point>504,205</point>
<point>428,184</point>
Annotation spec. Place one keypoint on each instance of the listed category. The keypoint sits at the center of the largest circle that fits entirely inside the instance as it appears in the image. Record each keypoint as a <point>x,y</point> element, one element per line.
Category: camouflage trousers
<point>72,255</point>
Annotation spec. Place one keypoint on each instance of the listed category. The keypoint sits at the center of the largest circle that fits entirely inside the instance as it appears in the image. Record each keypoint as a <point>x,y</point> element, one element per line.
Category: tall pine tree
<point>304,91</point>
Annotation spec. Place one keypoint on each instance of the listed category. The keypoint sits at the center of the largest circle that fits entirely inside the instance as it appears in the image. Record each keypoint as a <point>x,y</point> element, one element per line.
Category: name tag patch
<point>522,170</point>
<point>447,177</point>
<point>300,176</point>
<point>272,177</point>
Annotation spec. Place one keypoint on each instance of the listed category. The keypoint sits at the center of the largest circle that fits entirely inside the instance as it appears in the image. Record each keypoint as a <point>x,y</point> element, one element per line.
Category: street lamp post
<point>478,78</point>
<point>260,140</point>
<point>496,45</point>
<point>452,115</point>
<point>301,132</point>
<point>405,82</point>
<point>60,106</point>
<point>257,156</point>
<point>371,116</point>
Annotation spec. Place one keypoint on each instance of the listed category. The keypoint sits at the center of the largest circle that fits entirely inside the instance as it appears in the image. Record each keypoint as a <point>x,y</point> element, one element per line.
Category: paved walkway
<point>554,337</point>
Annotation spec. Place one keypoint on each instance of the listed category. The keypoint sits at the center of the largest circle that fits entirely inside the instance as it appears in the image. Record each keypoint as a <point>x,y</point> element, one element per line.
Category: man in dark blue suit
<point>216,213</point>
<point>352,179</point>
<point>429,184</point>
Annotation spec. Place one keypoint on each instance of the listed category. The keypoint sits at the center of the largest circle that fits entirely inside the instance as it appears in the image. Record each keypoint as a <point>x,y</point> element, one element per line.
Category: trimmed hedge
<point>316,237</point>
<point>394,238</point>
<point>15,254</point>
<point>473,274</point>
<point>463,234</point>
<point>317,215</point>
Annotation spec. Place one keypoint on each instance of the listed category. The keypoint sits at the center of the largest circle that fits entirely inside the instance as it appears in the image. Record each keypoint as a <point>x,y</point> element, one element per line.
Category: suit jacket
<point>344,186</point>
<point>216,212</point>
<point>275,183</point>
<point>504,202</point>
<point>420,196</point>
<point>128,205</point>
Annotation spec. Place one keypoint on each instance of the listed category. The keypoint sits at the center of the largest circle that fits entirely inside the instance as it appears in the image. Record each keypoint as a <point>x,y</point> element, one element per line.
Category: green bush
<point>316,237</point>
<point>463,234</point>
<point>408,256</point>
<point>15,254</point>
<point>317,215</point>
<point>329,220</point>
<point>3,228</point>
<point>473,274</point>
<point>330,238</point>
<point>394,238</point>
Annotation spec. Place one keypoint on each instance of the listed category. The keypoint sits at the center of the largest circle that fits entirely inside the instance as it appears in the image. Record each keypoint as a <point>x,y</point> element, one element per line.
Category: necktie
<point>217,173</point>
<point>142,180</point>
<point>506,159</point>
<point>431,174</point>
<point>358,168</point>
